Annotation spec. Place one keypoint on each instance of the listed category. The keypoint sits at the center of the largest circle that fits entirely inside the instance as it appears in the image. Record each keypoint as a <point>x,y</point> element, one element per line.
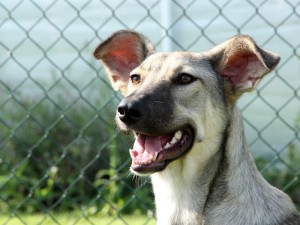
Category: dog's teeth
<point>168,145</point>
<point>178,135</point>
<point>155,156</point>
<point>173,141</point>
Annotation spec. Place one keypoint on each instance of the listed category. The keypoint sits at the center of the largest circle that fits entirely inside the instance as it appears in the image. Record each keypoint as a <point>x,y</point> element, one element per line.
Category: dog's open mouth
<point>151,154</point>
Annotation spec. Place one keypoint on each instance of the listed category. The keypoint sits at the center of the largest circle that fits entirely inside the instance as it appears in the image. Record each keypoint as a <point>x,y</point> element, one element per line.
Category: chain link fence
<point>62,160</point>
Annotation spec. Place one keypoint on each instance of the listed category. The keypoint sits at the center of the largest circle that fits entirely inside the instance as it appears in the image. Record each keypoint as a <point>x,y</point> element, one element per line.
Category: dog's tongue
<point>145,149</point>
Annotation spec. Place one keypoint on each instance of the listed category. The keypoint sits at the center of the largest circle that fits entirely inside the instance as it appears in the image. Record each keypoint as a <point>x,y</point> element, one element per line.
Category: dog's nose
<point>130,112</point>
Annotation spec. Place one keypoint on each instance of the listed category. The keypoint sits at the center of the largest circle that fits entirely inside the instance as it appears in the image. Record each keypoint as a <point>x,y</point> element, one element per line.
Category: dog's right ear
<point>120,54</point>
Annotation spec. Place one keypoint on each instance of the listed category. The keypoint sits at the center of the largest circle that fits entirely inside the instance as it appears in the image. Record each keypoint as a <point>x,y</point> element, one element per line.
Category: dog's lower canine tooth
<point>155,156</point>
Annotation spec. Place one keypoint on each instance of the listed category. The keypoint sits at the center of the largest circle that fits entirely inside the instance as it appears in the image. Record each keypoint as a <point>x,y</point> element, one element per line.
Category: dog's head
<point>174,100</point>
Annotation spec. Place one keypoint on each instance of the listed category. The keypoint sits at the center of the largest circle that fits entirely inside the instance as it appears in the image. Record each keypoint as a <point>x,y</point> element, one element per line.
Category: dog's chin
<point>151,154</point>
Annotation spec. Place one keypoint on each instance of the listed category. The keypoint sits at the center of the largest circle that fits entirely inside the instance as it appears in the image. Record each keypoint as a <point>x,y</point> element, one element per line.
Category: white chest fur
<point>173,200</point>
<point>177,197</point>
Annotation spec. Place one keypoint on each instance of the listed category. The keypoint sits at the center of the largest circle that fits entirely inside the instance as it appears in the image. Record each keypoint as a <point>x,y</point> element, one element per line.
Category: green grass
<point>70,219</point>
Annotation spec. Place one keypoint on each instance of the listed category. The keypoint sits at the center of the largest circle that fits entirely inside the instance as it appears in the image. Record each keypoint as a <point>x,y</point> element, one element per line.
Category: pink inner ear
<point>124,55</point>
<point>235,66</point>
<point>120,63</point>
<point>243,70</point>
<point>123,59</point>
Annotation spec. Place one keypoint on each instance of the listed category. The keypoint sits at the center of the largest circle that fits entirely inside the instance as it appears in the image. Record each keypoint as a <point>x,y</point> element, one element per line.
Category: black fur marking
<point>293,219</point>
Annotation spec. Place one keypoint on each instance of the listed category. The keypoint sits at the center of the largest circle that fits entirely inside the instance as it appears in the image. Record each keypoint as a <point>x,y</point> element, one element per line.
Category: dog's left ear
<point>120,54</point>
<point>241,62</point>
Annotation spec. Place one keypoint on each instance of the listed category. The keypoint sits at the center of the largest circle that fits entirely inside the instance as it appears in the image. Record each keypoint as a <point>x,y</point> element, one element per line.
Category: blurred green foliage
<point>63,152</point>
<point>283,171</point>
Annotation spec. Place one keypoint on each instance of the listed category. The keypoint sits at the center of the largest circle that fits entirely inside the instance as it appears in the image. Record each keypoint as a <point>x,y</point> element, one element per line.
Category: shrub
<point>59,152</point>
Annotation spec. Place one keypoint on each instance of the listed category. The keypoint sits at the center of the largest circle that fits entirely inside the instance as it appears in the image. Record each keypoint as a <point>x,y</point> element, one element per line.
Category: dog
<point>189,135</point>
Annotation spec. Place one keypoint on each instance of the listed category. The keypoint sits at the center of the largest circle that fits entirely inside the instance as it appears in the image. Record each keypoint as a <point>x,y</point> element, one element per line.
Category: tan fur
<point>215,182</point>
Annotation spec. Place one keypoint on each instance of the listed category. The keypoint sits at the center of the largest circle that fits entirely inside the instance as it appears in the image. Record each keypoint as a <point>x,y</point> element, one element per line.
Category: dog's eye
<point>135,78</point>
<point>185,78</point>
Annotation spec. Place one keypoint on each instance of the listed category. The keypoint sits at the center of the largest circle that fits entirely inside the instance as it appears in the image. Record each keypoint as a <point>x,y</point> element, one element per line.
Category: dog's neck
<point>183,188</point>
<point>223,179</point>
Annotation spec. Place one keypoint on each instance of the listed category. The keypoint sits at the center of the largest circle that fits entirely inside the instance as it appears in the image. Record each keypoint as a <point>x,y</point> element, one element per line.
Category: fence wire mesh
<point>62,160</point>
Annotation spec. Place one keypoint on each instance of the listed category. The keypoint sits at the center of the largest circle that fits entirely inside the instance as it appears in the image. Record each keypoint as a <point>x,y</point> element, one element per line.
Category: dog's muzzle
<point>156,145</point>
